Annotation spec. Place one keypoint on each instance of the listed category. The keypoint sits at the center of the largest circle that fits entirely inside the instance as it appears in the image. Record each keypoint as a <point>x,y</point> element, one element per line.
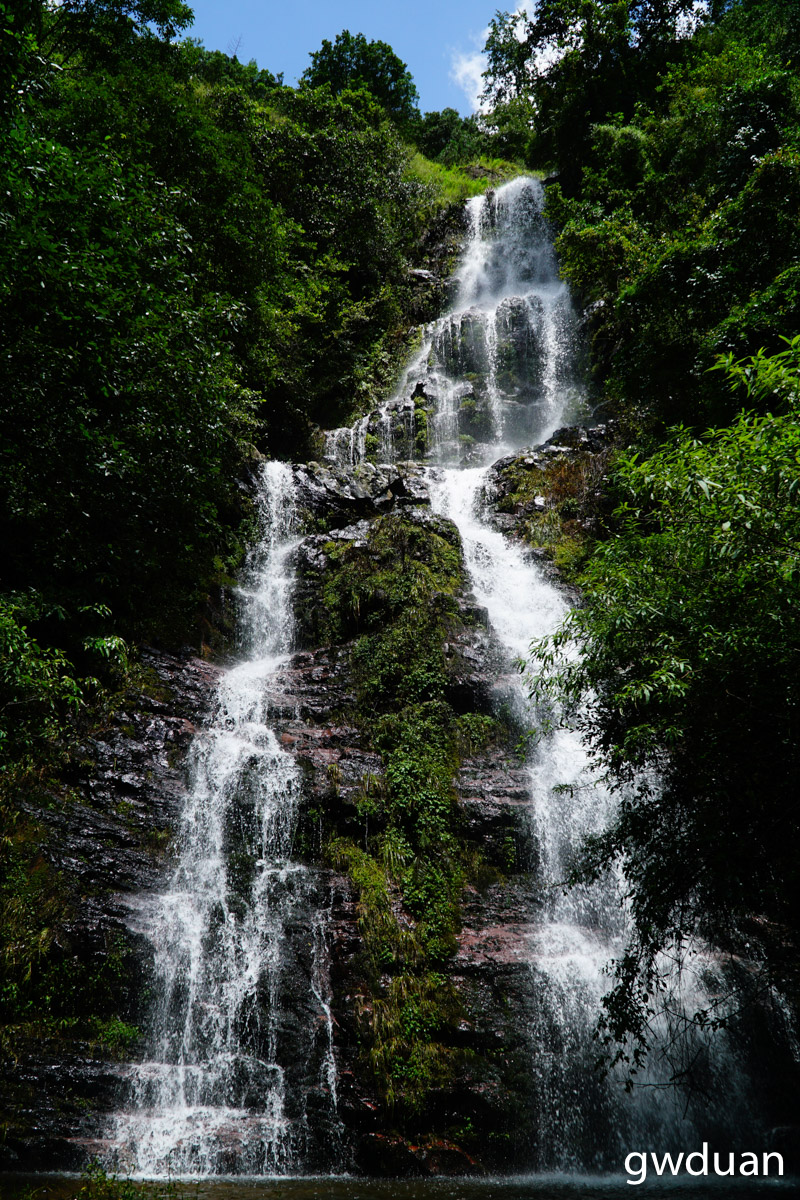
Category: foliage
<point>396,592</point>
<point>351,62</point>
<point>97,1184</point>
<point>685,686</point>
<point>678,209</point>
<point>129,427</point>
<point>449,138</point>
<point>16,48</point>
<point>450,185</point>
<point>215,68</point>
<point>102,30</point>
<point>575,63</point>
<point>184,272</point>
<point>338,170</point>
<point>119,1036</point>
<point>38,690</point>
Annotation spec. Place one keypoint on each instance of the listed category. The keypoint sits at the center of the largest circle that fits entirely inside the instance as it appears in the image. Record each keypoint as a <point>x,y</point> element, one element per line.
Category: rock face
<point>478,1118</point>
<point>111,844</point>
<point>106,842</point>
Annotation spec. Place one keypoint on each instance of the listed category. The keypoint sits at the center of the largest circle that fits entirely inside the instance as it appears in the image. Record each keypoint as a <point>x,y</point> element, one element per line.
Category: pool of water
<point>540,1187</point>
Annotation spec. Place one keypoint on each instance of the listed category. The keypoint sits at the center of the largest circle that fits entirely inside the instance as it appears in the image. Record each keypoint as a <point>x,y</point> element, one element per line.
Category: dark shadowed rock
<point>112,844</point>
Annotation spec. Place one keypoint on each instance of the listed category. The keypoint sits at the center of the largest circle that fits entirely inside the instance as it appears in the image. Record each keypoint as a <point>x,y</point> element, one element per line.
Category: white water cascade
<point>505,363</point>
<point>500,371</point>
<point>584,1121</point>
<point>212,1097</point>
<point>502,368</point>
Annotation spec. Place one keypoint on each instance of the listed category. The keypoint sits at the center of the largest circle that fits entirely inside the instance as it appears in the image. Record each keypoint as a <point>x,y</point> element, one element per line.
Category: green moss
<point>422,413</point>
<point>372,447</point>
<point>396,594</point>
<point>409,1010</point>
<point>571,487</point>
<point>402,564</point>
<point>474,419</point>
<point>420,430</point>
<point>118,1036</point>
<point>570,556</point>
<point>475,731</point>
<point>454,184</point>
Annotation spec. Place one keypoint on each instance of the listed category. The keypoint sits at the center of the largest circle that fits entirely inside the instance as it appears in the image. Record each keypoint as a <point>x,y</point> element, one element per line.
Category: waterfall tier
<point>500,370</point>
<point>212,1096</point>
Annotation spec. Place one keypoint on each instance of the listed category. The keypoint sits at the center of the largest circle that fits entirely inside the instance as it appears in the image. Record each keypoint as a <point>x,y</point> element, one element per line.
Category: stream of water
<point>505,365</point>
<point>212,1096</point>
<point>584,1121</point>
<point>499,371</point>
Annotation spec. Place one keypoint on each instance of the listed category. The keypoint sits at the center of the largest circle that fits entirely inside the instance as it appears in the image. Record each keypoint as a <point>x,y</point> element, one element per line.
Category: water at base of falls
<point>212,1096</point>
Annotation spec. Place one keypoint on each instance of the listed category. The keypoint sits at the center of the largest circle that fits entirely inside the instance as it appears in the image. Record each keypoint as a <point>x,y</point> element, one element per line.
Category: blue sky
<point>435,38</point>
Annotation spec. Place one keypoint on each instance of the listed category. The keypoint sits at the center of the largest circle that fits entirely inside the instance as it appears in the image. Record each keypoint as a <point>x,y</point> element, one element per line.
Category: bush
<point>686,688</point>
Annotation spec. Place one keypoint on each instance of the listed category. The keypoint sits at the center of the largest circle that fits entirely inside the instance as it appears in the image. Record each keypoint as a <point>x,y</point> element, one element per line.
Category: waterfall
<point>585,1122</point>
<point>500,370</point>
<point>212,1096</point>
<point>505,365</point>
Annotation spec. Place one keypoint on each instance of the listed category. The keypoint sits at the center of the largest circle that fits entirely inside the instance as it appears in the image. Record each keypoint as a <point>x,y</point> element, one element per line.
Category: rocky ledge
<point>104,840</point>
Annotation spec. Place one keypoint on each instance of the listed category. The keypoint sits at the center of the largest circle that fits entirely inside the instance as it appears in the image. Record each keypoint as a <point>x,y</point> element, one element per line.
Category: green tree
<point>351,62</point>
<point>337,169</point>
<point>449,138</point>
<point>686,688</point>
<point>16,47</point>
<point>121,406</point>
<point>680,223</point>
<point>99,28</point>
<point>214,67</point>
<point>576,63</point>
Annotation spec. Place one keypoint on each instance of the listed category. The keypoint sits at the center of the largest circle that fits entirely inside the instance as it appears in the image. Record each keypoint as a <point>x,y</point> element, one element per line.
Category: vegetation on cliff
<point>390,598</point>
<point>674,136</point>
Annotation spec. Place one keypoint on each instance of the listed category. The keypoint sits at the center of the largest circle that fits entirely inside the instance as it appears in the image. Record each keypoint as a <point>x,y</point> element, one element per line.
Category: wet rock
<point>108,842</point>
<point>391,1156</point>
<point>113,844</point>
<point>337,496</point>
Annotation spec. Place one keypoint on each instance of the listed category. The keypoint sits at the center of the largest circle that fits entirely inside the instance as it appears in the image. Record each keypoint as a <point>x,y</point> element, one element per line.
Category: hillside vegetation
<point>200,266</point>
<point>674,140</point>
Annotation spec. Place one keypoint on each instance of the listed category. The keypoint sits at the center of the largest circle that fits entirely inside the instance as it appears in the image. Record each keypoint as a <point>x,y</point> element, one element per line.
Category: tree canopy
<point>674,143</point>
<point>351,62</point>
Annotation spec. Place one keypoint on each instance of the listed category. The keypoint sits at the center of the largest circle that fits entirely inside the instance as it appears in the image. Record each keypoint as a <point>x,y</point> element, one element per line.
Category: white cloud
<point>466,68</point>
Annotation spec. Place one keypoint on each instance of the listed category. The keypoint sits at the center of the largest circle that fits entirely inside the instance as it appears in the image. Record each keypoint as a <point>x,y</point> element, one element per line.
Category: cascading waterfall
<point>585,1122</point>
<point>212,1097</point>
<point>502,368</point>
<point>500,371</point>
